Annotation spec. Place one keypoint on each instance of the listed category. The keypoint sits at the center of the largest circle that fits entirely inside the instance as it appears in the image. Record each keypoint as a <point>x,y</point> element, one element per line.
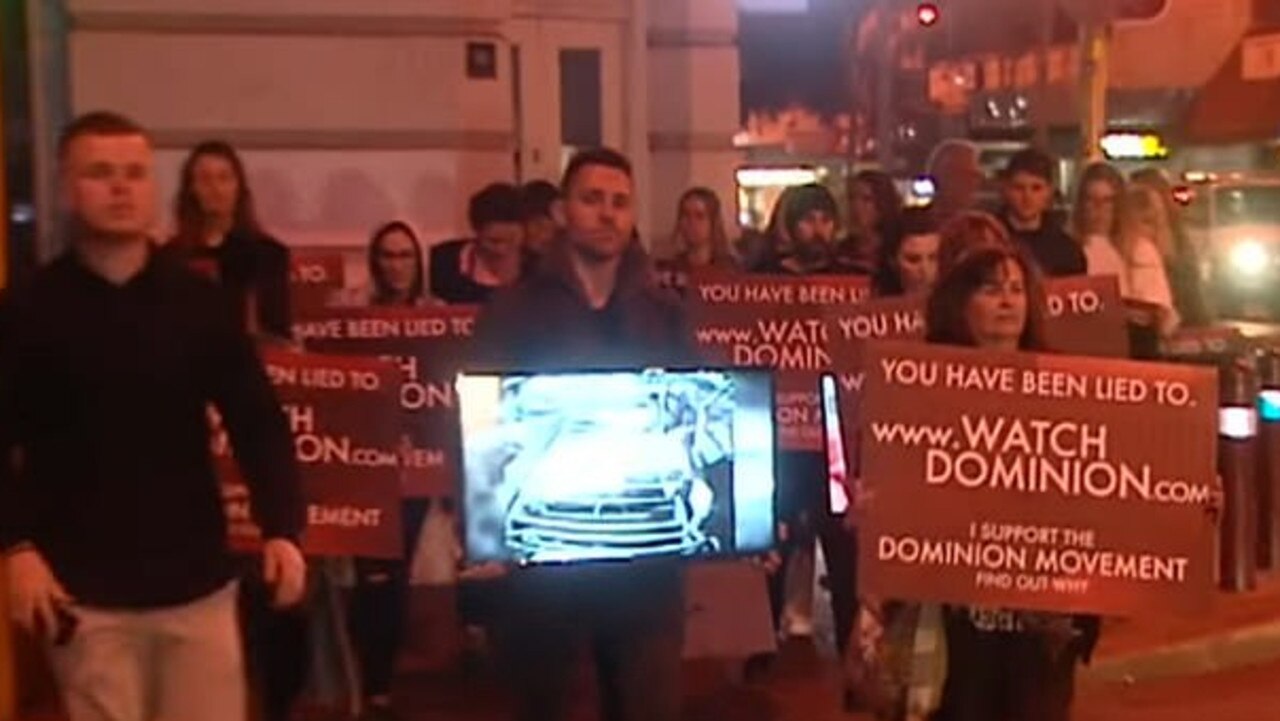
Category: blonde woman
<point>1146,245</point>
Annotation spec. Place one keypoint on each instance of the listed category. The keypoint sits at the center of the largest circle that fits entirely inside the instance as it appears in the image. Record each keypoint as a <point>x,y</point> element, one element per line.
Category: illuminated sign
<point>776,177</point>
<point>1133,146</point>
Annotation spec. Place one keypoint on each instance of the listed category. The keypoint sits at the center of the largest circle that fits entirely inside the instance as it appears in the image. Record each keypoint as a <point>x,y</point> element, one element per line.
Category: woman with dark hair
<point>908,260</point>
<point>380,597</point>
<point>395,266</point>
<point>219,235</point>
<point>218,229</point>
<point>470,270</point>
<point>875,207</point>
<point>1182,265</point>
<point>1002,664</point>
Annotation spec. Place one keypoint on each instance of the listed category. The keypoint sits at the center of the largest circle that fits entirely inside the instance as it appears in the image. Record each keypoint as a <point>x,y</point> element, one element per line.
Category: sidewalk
<point>1239,629</point>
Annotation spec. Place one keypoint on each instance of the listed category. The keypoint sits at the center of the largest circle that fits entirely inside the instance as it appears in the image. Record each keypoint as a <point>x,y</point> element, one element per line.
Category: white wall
<point>693,106</point>
<point>349,113</point>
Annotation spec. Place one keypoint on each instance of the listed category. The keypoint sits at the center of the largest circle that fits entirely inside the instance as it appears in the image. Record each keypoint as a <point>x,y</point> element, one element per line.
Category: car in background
<point>1233,220</point>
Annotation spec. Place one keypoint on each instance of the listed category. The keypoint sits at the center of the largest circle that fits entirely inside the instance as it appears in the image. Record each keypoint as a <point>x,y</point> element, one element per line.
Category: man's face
<point>500,239</point>
<point>598,214</point>
<point>108,185</point>
<point>816,227</point>
<point>1028,196</point>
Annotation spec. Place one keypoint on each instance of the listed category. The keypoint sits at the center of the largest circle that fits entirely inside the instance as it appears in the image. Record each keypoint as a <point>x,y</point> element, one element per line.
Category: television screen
<point>616,465</point>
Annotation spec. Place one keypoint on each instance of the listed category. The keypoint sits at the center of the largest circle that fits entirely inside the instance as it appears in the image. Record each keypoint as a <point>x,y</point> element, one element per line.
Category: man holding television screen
<point>591,304</point>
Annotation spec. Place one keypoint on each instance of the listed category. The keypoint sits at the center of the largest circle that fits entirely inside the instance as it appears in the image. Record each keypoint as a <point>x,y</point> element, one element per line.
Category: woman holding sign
<point>1002,664</point>
<point>380,598</point>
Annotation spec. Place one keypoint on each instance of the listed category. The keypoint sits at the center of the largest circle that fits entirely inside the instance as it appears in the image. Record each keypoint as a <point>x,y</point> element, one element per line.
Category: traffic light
<point>1139,9</point>
<point>927,14</point>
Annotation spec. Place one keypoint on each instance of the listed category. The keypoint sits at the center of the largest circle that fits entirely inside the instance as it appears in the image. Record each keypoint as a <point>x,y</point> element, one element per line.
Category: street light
<point>927,14</point>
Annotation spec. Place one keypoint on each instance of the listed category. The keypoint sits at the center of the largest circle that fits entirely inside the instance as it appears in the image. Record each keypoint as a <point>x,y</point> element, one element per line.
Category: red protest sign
<point>429,346</point>
<point>315,275</point>
<point>893,318</point>
<point>1036,481</point>
<point>1085,316</point>
<point>346,432</point>
<point>775,322</point>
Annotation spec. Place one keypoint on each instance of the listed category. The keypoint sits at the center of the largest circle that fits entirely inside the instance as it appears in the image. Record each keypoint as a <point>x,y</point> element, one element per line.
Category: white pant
<point>182,663</point>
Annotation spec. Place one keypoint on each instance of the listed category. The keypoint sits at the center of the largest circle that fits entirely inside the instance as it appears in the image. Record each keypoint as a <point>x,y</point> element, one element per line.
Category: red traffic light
<point>927,14</point>
<point>1183,195</point>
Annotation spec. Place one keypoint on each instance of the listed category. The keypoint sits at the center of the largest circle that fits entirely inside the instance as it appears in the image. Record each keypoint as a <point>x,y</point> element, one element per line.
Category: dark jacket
<point>1051,246</point>
<point>545,323</point>
<point>105,389</point>
<point>252,266</point>
<point>447,281</point>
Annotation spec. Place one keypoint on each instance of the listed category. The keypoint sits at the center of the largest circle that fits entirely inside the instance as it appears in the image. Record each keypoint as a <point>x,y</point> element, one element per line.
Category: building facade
<point>353,112</point>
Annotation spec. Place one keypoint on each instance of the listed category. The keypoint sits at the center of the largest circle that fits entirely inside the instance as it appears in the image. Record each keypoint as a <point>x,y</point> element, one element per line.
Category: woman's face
<point>213,180</point>
<point>695,223</point>
<point>917,262</point>
<point>397,261</point>
<point>1099,207</point>
<point>997,311</point>
<point>862,207</point>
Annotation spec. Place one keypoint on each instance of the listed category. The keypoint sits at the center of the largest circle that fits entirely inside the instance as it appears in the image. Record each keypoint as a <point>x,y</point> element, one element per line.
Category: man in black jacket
<point>591,303</point>
<point>1028,197</point>
<point>112,524</point>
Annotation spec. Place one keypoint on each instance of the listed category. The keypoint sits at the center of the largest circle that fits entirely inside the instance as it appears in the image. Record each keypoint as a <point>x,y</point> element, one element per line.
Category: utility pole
<point>1094,18</point>
<point>1040,114</point>
<point>1095,55</point>
<point>886,75</point>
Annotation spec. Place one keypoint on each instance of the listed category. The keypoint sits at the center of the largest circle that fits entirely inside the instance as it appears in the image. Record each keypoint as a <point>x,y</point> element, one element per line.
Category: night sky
<point>794,57</point>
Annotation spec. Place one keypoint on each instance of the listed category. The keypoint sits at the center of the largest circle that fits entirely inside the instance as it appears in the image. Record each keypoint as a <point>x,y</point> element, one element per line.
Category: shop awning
<point>1241,102</point>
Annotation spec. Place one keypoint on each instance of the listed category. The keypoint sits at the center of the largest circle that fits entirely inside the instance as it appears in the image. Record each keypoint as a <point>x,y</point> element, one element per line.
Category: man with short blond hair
<point>112,525</point>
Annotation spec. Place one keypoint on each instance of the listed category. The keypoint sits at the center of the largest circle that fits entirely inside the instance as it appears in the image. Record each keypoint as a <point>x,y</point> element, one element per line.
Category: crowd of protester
<point>127,436</point>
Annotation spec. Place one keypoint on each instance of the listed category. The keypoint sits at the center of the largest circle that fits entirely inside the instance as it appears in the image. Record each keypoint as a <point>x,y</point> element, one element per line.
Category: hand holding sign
<point>284,569</point>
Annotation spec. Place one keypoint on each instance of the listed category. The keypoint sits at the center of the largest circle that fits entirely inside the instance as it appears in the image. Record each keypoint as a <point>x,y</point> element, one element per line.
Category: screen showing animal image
<point>611,466</point>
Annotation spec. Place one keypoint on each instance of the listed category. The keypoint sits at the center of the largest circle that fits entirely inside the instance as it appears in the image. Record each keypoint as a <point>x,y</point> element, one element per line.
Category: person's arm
<point>17,507</point>
<point>35,595</point>
<point>272,289</point>
<point>1149,282</point>
<point>259,434</point>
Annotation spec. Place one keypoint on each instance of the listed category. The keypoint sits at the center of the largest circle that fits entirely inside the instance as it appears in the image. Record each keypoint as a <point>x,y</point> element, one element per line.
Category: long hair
<point>382,292</point>
<point>720,248</point>
<point>1098,173</point>
<point>885,197</point>
<point>945,313</point>
<point>187,210</point>
<point>1144,204</point>
<point>1156,180</point>
<point>914,221</point>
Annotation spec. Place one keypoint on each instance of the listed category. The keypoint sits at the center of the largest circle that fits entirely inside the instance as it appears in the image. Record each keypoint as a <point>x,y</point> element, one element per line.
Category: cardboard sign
<point>1036,481</point>
<point>1085,316</point>
<point>428,345</point>
<point>315,275</point>
<point>775,322</point>
<point>346,433</point>
<point>894,318</point>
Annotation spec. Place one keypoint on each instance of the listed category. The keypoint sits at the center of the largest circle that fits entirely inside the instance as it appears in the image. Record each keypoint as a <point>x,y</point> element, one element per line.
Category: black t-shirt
<point>105,388</point>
